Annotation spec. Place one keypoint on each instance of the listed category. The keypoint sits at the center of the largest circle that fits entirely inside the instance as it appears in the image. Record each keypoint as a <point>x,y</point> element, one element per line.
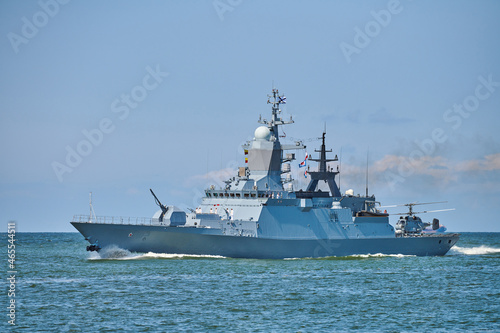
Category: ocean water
<point>59,287</point>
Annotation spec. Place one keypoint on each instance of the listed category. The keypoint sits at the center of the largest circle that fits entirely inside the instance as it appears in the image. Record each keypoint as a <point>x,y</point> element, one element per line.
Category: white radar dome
<point>262,133</point>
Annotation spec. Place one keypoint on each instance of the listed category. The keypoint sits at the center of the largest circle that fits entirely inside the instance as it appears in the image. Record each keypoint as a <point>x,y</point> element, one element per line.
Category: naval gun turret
<point>169,215</point>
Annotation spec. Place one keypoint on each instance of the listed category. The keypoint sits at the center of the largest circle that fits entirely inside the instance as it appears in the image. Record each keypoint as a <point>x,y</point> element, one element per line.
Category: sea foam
<point>479,250</point>
<point>116,253</point>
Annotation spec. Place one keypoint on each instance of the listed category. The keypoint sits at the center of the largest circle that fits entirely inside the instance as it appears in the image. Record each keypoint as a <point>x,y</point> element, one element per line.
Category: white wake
<point>479,250</point>
<point>116,253</point>
<point>375,255</point>
<point>378,255</point>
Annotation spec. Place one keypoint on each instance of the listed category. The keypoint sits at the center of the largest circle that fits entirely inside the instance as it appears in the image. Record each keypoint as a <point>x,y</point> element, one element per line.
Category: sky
<point>117,97</point>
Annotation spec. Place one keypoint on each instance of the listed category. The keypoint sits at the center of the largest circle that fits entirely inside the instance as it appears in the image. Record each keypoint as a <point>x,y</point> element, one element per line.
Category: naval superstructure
<point>259,213</point>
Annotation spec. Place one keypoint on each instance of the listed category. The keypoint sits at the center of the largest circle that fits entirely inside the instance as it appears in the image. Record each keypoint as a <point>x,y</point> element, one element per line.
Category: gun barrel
<point>158,201</point>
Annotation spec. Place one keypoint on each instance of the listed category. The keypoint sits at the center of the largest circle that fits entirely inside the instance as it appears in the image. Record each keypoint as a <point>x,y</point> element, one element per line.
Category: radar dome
<point>262,133</point>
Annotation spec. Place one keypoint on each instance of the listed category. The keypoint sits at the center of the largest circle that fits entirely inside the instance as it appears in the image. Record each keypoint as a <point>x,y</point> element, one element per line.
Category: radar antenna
<point>275,99</point>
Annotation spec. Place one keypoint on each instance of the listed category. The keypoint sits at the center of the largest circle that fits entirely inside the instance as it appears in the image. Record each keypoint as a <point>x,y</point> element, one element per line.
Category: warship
<point>259,214</point>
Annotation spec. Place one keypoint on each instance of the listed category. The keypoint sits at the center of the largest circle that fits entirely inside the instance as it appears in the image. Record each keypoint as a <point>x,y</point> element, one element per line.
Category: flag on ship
<point>304,162</point>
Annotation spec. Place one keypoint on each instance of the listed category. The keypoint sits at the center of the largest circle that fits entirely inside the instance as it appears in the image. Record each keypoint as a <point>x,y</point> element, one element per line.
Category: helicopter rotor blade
<point>428,203</point>
<point>434,211</point>
<point>424,212</point>
<point>413,204</point>
<point>401,205</point>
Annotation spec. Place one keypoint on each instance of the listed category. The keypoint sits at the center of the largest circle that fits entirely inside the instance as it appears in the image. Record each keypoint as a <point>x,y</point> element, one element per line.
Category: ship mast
<point>266,153</point>
<point>323,173</point>
<point>275,99</point>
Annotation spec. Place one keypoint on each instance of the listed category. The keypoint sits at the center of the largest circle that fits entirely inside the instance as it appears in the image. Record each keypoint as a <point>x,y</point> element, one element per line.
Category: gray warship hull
<point>259,214</point>
<point>190,241</point>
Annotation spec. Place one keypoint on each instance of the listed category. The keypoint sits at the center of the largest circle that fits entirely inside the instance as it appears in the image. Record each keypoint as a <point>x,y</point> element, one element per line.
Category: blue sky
<point>168,91</point>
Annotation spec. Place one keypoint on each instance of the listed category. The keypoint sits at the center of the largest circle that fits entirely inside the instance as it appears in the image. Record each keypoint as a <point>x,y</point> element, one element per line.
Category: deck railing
<point>114,219</point>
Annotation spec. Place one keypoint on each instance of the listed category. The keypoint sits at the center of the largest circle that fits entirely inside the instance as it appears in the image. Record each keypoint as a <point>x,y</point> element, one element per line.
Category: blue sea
<point>59,287</point>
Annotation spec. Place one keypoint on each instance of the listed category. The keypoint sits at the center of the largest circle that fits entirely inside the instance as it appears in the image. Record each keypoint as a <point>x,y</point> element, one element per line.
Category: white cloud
<point>215,177</point>
<point>437,170</point>
<point>132,191</point>
<point>489,163</point>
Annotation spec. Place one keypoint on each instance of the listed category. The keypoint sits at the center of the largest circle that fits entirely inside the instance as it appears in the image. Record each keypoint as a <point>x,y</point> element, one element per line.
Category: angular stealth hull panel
<point>186,240</point>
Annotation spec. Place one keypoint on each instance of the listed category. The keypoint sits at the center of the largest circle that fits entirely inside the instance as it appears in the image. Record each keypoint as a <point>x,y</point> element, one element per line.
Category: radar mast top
<point>275,99</point>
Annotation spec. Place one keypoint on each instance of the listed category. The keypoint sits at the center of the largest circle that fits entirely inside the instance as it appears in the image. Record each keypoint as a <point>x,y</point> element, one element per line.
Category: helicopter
<point>410,224</point>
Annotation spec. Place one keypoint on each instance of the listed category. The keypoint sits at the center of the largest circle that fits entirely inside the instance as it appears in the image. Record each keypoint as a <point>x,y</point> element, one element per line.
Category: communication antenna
<point>340,168</point>
<point>92,213</point>
<point>367,152</point>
